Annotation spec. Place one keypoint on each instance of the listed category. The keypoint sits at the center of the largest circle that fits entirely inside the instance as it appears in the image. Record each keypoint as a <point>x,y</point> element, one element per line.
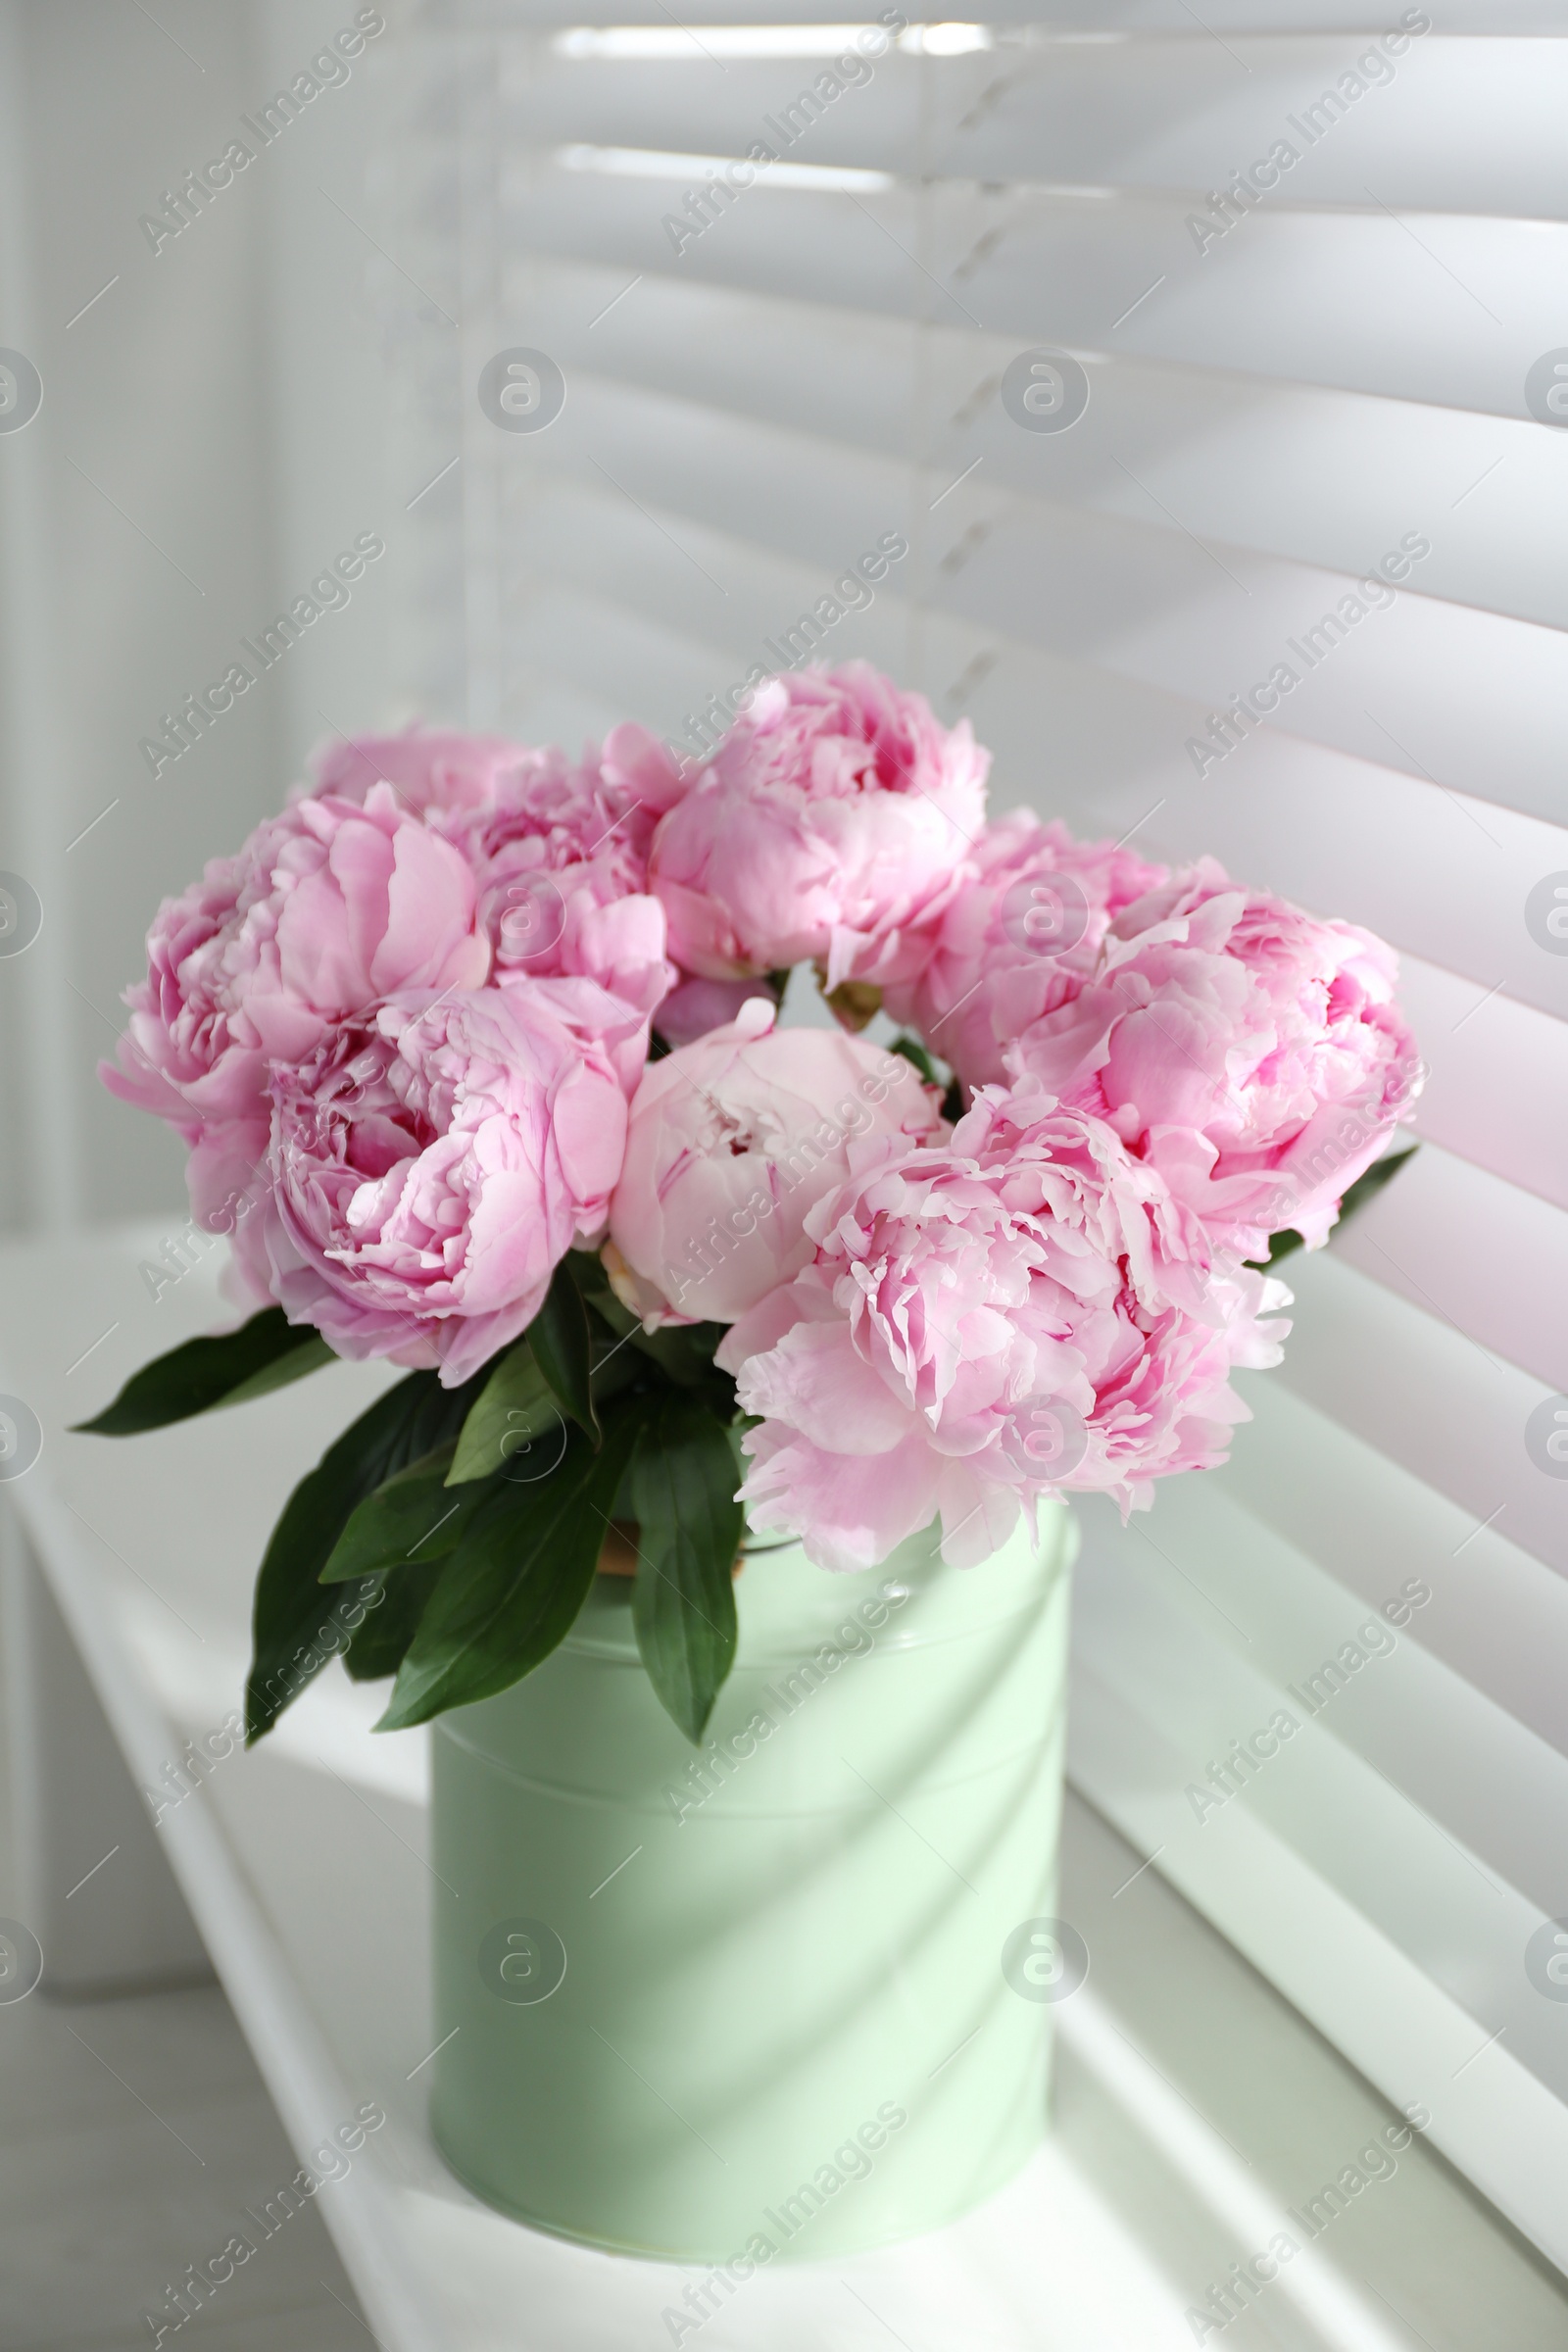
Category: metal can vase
<point>789,1995</point>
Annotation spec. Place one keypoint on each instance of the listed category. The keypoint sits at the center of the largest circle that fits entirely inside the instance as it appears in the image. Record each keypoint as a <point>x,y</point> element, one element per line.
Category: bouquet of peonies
<point>475,1052</point>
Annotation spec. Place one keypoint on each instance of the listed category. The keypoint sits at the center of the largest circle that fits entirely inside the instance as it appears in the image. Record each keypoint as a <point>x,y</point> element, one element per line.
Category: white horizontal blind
<point>1284,391</point>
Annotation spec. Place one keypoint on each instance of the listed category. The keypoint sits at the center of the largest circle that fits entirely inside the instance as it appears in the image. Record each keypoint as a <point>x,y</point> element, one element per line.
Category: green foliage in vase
<point>450,1535</point>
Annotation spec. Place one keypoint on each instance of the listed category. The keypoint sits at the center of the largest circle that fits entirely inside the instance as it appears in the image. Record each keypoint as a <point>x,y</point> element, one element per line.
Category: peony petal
<point>815,1379</point>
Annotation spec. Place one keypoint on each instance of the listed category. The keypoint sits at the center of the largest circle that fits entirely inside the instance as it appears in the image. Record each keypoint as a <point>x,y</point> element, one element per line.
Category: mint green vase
<point>781,1997</point>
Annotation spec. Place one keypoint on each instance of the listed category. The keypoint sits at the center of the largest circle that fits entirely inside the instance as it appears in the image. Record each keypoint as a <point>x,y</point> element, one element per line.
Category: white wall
<point>210,435</point>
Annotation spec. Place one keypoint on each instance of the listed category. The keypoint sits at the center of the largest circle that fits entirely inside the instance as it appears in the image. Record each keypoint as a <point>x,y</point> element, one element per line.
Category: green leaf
<point>516,1406</point>
<point>283,1369</point>
<point>683,1600</point>
<point>409,1521</point>
<point>683,1352</point>
<point>263,1354</point>
<point>513,1589</point>
<point>1366,1188</point>
<point>296,1625</point>
<point>586,1269</point>
<point>620,1368</point>
<point>563,1348</point>
<point>391,1621</point>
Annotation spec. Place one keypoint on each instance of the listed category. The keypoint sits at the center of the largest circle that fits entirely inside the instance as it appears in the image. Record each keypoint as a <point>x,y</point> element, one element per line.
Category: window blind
<point>793,275</point>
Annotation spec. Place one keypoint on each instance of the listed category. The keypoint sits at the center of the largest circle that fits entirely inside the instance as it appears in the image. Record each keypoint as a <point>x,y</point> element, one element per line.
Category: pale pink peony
<point>429,768</point>
<point>559,861</point>
<point>1023,1312</point>
<point>327,908</point>
<point>732,1140</point>
<point>559,849</point>
<point>1252,1053</point>
<point>645,772</point>
<point>832,823</point>
<point>431,1164</point>
<point>1019,939</point>
<point>436,771</point>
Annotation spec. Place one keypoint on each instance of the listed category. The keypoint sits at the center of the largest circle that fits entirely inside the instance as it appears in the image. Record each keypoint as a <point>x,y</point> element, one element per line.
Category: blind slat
<point>1362,469</point>
<point>1482,1255</point>
<point>1320,298</point>
<point>1170,114</point>
<point>1396,1751</point>
<point>1427,1396</point>
<point>1498,1616</point>
<point>1067,21</point>
<point>1497,1089</point>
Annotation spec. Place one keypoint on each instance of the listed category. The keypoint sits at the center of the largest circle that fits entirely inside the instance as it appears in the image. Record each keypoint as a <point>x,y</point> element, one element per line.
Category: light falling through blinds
<point>1286,586</point>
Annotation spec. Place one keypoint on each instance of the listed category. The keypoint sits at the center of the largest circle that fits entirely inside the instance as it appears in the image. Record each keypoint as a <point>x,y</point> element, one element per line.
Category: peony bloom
<point>433,1163</point>
<point>1024,1311</point>
<point>1019,939</point>
<point>644,772</point>
<point>732,1140</point>
<point>1251,1053</point>
<point>435,772</point>
<point>327,908</point>
<point>428,768</point>
<point>559,855</point>
<point>832,822</point>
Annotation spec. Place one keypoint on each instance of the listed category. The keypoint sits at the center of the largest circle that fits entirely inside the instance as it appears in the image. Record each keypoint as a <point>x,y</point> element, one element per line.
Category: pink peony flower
<point>832,822</point>
<point>327,908</point>
<point>636,765</point>
<point>1251,1053</point>
<point>732,1140</point>
<point>433,1163</point>
<point>1024,1311</point>
<point>436,771</point>
<point>560,860</point>
<point>428,767</point>
<point>1019,939</point>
